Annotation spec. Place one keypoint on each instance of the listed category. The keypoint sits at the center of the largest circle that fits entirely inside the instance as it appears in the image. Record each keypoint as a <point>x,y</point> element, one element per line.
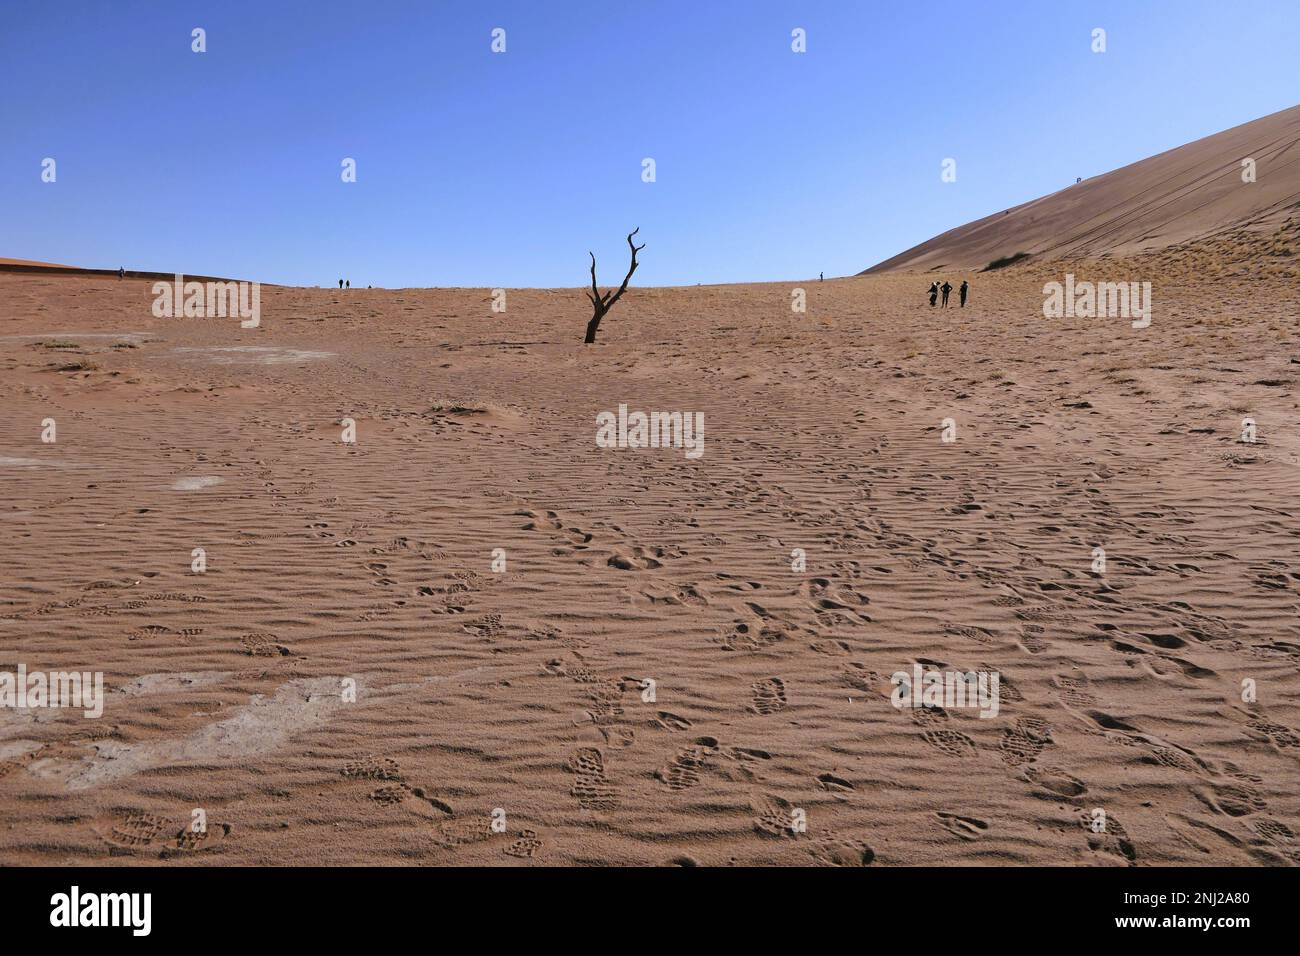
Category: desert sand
<point>654,676</point>
<point>522,691</point>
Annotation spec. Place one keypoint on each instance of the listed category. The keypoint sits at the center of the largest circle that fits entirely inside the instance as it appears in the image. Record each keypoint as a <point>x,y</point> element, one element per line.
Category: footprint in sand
<point>1055,781</point>
<point>550,633</point>
<point>690,763</point>
<point>829,781</point>
<point>835,852</point>
<point>970,632</point>
<point>550,521</point>
<point>462,831</point>
<point>769,695</point>
<point>133,831</point>
<point>838,603</point>
<point>148,631</point>
<point>1276,833</point>
<point>777,817</point>
<point>176,596</point>
<point>1235,800</point>
<point>372,768</point>
<point>489,627</point>
<point>526,846</point>
<point>1113,839</point>
<point>670,721</point>
<point>592,788</point>
<point>952,742</point>
<point>196,841</point>
<point>1074,690</point>
<point>1284,738</point>
<point>262,645</point>
<point>1023,743</point>
<point>968,828</point>
<point>832,648</point>
<point>860,677</point>
<point>1177,759</point>
<point>638,559</point>
<point>742,636</point>
<point>1007,690</point>
<point>681,595</point>
<point>605,701</point>
<point>391,794</point>
<point>146,832</point>
<point>1032,640</point>
<point>928,716</point>
<point>620,737</point>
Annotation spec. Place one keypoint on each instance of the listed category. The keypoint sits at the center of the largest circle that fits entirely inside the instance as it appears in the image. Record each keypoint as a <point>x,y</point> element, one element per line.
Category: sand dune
<point>32,263</point>
<point>525,692</point>
<point>1193,192</point>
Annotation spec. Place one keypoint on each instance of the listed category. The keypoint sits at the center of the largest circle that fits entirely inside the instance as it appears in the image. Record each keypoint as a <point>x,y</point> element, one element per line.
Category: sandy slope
<point>1192,192</point>
<point>521,690</point>
<point>32,263</point>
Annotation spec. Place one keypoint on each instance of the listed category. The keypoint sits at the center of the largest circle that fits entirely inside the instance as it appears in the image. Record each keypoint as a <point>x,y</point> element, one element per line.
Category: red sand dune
<point>1191,192</point>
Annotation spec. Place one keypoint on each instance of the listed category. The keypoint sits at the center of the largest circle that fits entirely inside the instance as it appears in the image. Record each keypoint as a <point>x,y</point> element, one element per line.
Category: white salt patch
<point>74,336</point>
<point>194,484</point>
<point>261,727</point>
<point>257,354</point>
<point>9,462</point>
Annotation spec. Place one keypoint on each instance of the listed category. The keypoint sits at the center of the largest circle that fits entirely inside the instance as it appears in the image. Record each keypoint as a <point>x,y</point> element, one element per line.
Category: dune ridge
<point>1193,192</point>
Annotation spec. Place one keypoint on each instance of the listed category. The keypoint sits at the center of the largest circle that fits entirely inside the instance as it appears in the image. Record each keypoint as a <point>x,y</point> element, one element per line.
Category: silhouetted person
<point>965,287</point>
<point>349,283</point>
<point>945,289</point>
<point>934,293</point>
<point>821,277</point>
<point>121,272</point>
<point>340,283</point>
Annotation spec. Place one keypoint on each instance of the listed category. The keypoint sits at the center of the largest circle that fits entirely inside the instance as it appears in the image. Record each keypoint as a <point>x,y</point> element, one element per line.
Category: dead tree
<point>600,304</point>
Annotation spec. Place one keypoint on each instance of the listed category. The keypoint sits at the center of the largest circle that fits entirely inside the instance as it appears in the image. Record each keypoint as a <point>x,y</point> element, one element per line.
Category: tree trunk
<point>600,304</point>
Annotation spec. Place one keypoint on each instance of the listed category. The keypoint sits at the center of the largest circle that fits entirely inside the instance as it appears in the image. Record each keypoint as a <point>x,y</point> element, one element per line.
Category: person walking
<point>121,272</point>
<point>934,293</point>
<point>340,283</point>
<point>945,289</point>
<point>965,288</point>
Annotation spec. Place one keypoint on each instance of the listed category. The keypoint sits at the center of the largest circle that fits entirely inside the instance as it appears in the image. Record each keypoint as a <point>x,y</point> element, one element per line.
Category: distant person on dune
<point>340,283</point>
<point>945,289</point>
<point>121,272</point>
<point>349,283</point>
<point>965,287</point>
<point>821,277</point>
<point>934,293</point>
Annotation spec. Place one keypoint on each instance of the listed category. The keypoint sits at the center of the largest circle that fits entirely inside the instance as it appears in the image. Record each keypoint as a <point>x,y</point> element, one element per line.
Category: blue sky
<point>482,169</point>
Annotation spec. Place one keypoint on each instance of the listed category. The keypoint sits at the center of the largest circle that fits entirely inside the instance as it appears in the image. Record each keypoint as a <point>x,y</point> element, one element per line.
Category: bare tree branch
<point>600,304</point>
<point>594,295</point>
